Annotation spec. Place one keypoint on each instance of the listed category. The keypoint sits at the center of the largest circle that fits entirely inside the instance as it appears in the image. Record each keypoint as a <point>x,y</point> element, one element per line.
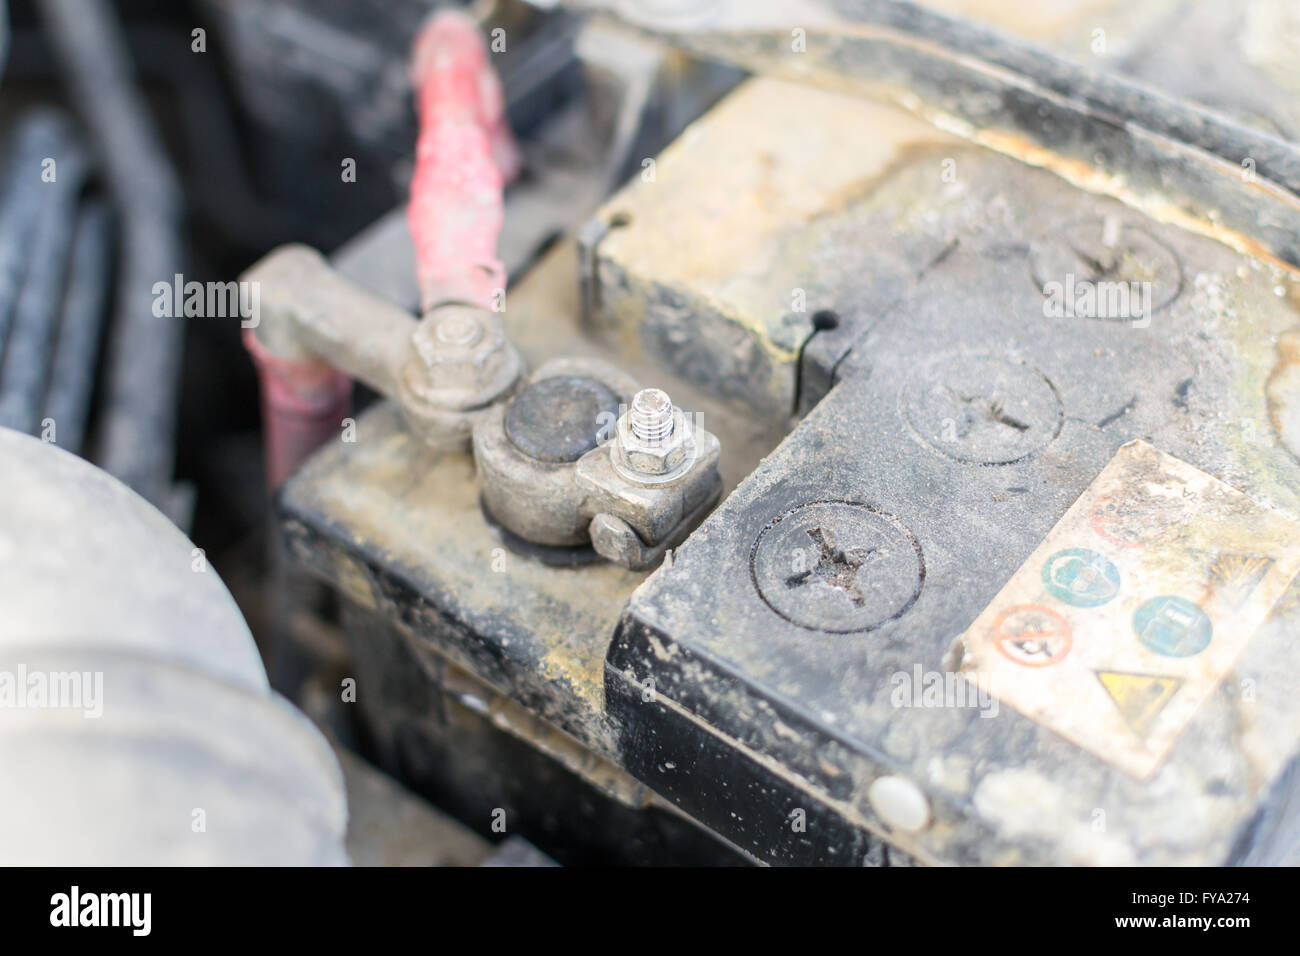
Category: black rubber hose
<point>39,135</point>
<point>138,423</point>
<point>67,402</point>
<point>4,34</point>
<point>28,351</point>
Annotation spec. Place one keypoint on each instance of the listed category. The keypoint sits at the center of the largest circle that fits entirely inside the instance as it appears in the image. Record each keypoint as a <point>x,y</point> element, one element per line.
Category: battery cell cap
<point>899,803</point>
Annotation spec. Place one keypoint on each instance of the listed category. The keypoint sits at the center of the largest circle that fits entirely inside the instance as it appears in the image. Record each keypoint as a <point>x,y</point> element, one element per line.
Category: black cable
<point>67,402</point>
<point>138,422</point>
<point>55,181</point>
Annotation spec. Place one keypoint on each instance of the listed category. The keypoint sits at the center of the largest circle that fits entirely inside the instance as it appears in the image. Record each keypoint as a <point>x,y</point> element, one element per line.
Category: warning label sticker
<point>1134,608</point>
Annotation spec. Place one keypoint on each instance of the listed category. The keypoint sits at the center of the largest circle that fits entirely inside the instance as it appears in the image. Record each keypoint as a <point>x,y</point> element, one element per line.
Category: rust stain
<point>828,77</point>
<point>772,157</point>
<point>1091,179</point>
<point>1282,388</point>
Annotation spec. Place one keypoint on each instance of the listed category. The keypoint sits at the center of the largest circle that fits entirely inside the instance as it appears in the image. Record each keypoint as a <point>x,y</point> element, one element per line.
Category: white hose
<point>137,726</point>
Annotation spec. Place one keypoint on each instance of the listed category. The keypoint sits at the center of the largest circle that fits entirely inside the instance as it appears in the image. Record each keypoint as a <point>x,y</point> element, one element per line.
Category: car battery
<point>1003,573</point>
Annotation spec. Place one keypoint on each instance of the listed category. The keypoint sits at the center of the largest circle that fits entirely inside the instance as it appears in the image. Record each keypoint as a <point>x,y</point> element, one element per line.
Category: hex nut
<point>460,359</point>
<point>666,457</point>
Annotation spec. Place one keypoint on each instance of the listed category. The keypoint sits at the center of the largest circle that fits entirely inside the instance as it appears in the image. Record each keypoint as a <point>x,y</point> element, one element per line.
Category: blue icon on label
<point>1172,626</point>
<point>1080,577</point>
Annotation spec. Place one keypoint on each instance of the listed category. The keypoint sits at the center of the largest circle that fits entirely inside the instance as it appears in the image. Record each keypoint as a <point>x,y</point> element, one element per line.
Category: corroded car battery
<point>1019,588</point>
<point>1016,588</point>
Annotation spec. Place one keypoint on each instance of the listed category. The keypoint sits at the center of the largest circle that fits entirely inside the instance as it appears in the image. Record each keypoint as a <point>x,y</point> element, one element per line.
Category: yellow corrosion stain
<point>420,509</point>
<point>354,581</point>
<point>578,667</point>
<point>1261,329</point>
<point>771,158</point>
<point>1091,179</point>
<point>1074,171</point>
<point>1031,19</point>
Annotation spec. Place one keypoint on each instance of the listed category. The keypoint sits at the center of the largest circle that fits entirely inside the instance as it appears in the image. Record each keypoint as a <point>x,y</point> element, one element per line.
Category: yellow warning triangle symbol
<point>1140,697</point>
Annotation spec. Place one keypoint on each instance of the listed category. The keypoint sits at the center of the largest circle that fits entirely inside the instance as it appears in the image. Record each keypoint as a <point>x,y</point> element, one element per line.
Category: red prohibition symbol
<point>1031,635</point>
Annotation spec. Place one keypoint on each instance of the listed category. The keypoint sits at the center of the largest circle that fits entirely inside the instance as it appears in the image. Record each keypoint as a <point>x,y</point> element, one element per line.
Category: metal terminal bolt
<point>651,415</point>
<point>460,328</point>
<point>654,442</point>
